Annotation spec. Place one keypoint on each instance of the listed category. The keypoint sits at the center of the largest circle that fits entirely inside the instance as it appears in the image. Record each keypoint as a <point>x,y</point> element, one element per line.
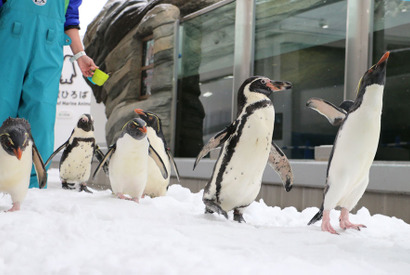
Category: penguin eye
<point>9,143</point>
<point>133,125</point>
<point>263,81</point>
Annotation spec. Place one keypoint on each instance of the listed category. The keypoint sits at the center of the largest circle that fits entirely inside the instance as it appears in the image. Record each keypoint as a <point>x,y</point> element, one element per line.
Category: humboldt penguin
<point>128,161</point>
<point>156,184</point>
<point>354,147</point>
<point>246,146</point>
<point>79,149</point>
<point>17,154</point>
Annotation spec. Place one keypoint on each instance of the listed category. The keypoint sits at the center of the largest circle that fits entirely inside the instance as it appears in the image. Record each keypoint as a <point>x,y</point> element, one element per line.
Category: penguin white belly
<point>156,184</point>
<point>76,168</point>
<point>354,152</point>
<point>243,174</point>
<point>128,166</point>
<point>15,174</point>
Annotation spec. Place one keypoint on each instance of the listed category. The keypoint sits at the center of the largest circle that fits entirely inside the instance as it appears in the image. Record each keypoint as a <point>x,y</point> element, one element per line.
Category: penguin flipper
<point>174,165</point>
<point>64,145</point>
<point>99,155</point>
<point>280,163</point>
<point>334,114</point>
<point>104,160</point>
<point>214,142</point>
<point>39,167</point>
<point>346,105</point>
<point>154,155</point>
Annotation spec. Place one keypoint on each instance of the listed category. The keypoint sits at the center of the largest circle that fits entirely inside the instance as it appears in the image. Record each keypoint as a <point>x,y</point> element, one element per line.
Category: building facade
<point>322,46</point>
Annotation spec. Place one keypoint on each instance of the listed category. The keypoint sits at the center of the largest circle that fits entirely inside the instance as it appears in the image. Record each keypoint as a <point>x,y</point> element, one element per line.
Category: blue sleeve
<point>72,15</point>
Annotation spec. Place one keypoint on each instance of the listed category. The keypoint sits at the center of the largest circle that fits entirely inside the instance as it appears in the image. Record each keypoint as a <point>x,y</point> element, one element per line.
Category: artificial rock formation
<point>114,41</point>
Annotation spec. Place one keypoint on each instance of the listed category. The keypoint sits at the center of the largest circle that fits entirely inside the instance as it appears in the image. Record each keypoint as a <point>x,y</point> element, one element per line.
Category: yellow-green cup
<point>99,77</point>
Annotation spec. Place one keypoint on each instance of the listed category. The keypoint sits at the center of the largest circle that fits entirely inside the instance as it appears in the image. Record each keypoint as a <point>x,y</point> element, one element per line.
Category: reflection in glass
<point>392,33</point>
<point>204,78</point>
<point>302,42</point>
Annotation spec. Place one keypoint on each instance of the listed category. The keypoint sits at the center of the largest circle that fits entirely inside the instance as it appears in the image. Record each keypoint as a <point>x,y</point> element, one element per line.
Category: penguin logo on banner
<point>40,2</point>
<point>68,73</point>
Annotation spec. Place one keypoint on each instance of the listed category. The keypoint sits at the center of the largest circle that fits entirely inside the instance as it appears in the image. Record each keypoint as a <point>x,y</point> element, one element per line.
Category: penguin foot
<point>208,211</point>
<point>16,207</point>
<point>212,206</point>
<point>122,196</point>
<point>68,186</point>
<point>237,216</point>
<point>345,223</point>
<point>84,188</point>
<point>326,226</point>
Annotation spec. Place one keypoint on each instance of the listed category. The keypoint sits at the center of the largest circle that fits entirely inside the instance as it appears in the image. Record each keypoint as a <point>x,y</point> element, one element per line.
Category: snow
<point>67,232</point>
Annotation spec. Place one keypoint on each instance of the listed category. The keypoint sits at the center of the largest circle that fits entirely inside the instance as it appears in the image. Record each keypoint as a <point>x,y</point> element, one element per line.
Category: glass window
<point>302,42</point>
<point>392,33</point>
<point>147,69</point>
<point>204,96</point>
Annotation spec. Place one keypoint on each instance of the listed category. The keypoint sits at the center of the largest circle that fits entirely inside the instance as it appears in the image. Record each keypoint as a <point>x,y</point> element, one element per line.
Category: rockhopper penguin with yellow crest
<point>18,153</point>
<point>246,146</point>
<point>354,147</point>
<point>156,184</point>
<point>128,161</point>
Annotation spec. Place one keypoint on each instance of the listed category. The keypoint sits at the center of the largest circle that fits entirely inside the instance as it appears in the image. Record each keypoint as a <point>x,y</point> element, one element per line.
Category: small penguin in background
<point>79,149</point>
<point>156,184</point>
<point>354,147</point>
<point>128,161</point>
<point>17,154</point>
<point>246,148</point>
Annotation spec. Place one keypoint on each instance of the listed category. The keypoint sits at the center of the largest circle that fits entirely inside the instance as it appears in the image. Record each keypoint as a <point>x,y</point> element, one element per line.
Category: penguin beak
<point>277,86</point>
<point>139,111</point>
<point>384,58</point>
<point>144,129</point>
<point>18,153</point>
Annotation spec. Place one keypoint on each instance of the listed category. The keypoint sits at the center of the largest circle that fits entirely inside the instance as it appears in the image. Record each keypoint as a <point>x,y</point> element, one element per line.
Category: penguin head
<point>151,119</point>
<point>86,123</point>
<point>15,137</point>
<point>136,128</point>
<point>375,75</point>
<point>257,87</point>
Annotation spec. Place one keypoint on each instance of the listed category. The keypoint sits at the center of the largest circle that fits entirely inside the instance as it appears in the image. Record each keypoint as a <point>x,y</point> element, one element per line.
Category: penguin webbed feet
<point>68,186</point>
<point>238,216</point>
<point>211,207</point>
<point>345,223</point>
<point>84,188</point>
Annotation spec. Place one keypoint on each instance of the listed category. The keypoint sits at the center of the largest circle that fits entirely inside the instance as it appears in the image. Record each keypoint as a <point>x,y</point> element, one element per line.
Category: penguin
<point>17,154</point>
<point>79,149</point>
<point>354,147</point>
<point>246,148</point>
<point>156,184</point>
<point>128,161</point>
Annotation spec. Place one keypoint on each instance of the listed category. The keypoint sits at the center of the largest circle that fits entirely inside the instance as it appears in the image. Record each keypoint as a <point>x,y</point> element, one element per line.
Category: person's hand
<point>86,65</point>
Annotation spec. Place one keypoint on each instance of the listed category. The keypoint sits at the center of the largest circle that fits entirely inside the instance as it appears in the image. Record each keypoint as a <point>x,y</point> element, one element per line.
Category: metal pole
<point>244,46</point>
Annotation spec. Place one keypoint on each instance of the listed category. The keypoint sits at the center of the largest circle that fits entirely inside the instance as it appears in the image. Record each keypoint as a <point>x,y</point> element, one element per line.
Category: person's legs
<point>40,90</point>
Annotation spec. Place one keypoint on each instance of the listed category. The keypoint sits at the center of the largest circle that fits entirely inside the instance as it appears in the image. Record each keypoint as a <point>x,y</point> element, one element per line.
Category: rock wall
<point>114,41</point>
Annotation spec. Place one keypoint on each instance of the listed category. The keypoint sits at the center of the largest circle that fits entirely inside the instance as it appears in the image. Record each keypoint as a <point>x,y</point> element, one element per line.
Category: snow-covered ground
<point>67,232</point>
